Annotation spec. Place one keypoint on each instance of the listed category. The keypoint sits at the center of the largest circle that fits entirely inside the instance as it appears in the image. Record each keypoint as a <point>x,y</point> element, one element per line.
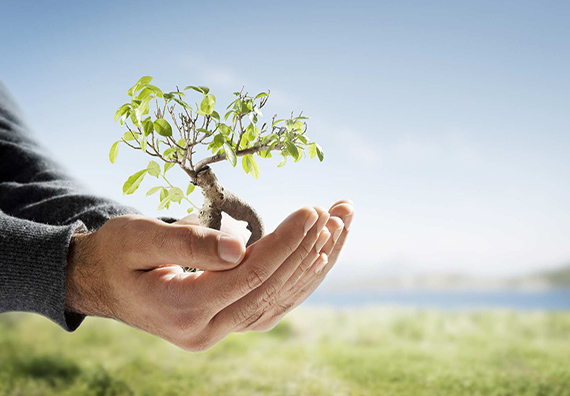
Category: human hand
<point>130,270</point>
<point>312,270</point>
<point>310,274</point>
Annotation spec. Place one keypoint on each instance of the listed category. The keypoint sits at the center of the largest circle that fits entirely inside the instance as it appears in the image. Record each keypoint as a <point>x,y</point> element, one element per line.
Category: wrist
<point>80,272</point>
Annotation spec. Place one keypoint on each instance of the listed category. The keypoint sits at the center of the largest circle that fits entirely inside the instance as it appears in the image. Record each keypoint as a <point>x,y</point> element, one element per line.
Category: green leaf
<point>276,122</point>
<point>251,132</point>
<point>177,93</point>
<point>156,90</point>
<point>144,80</point>
<point>125,116</point>
<point>208,103</point>
<point>128,136</point>
<point>153,169</point>
<point>145,93</point>
<point>312,150</point>
<point>201,89</point>
<point>302,138</point>
<point>245,164</point>
<point>293,150</point>
<point>122,110</point>
<point>162,127</point>
<point>168,166</point>
<point>134,119</point>
<point>169,153</point>
<point>218,142</point>
<point>133,182</point>
<point>183,103</point>
<point>153,190</point>
<point>175,194</point>
<point>114,151</point>
<point>244,107</point>
<point>164,203</point>
<point>190,188</point>
<point>190,209</point>
<point>163,193</point>
<point>230,154</point>
<point>320,152</point>
<point>143,144</point>
<point>147,126</point>
<point>298,125</point>
<point>224,129</point>
<point>215,115</point>
<point>261,95</point>
<point>250,165</point>
<point>283,162</point>
<point>289,124</point>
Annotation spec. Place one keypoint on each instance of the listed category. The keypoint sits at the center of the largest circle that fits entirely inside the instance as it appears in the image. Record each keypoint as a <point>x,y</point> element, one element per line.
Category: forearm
<point>34,187</point>
<point>33,262</point>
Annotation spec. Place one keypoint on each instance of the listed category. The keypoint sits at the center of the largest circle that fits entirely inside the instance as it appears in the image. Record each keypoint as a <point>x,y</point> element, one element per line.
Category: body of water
<point>552,300</point>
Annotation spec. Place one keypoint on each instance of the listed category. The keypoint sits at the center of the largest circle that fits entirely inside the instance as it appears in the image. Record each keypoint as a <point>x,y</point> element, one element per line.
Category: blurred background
<point>445,122</point>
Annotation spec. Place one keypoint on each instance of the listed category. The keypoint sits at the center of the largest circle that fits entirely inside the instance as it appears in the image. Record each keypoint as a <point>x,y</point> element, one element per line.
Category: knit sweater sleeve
<point>40,208</point>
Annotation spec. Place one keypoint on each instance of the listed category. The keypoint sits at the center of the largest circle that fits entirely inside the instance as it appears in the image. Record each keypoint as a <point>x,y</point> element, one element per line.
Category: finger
<point>262,259</point>
<point>188,246</point>
<point>335,227</point>
<point>191,219</point>
<point>250,308</point>
<point>301,291</point>
<point>307,263</point>
<point>346,212</point>
<point>342,201</point>
<point>313,277</point>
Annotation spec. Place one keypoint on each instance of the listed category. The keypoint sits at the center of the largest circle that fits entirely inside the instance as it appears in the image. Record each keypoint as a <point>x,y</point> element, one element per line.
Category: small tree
<point>201,127</point>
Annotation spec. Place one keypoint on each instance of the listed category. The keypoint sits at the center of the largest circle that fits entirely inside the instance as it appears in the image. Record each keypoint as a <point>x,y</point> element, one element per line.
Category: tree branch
<point>220,157</point>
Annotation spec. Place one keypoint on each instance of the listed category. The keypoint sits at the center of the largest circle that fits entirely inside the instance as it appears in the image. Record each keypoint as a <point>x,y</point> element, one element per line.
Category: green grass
<point>315,351</point>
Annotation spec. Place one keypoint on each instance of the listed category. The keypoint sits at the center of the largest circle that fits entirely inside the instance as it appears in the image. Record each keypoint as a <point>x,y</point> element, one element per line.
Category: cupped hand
<point>130,270</point>
<point>311,273</point>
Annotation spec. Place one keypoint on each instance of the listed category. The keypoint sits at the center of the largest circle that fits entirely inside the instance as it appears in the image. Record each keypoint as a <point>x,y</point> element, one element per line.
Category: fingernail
<point>348,221</point>
<point>324,260</point>
<point>323,238</point>
<point>313,217</point>
<point>337,233</point>
<point>230,249</point>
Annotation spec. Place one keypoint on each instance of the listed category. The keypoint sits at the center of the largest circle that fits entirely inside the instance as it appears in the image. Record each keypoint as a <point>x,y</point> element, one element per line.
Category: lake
<point>551,300</point>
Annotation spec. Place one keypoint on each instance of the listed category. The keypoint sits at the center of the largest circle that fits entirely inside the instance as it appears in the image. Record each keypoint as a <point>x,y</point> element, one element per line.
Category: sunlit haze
<point>447,123</point>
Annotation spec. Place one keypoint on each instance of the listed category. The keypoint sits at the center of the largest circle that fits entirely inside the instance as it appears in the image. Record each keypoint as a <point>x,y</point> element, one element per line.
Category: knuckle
<point>183,323</point>
<point>270,295</point>
<point>189,242</point>
<point>304,249</point>
<point>199,344</point>
<point>281,242</point>
<point>252,319</point>
<point>288,246</point>
<point>281,309</point>
<point>255,277</point>
<point>305,265</point>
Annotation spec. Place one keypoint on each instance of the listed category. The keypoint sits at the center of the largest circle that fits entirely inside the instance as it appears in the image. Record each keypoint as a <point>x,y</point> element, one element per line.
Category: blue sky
<point>447,123</point>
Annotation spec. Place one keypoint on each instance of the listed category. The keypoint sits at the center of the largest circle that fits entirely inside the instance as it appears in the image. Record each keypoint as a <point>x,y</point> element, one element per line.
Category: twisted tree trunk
<point>217,200</point>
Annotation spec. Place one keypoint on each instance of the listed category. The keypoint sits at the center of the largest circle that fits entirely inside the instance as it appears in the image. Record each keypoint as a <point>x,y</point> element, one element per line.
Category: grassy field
<point>315,351</point>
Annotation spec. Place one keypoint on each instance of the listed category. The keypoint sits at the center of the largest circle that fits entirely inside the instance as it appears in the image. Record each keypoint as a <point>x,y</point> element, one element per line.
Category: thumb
<point>197,247</point>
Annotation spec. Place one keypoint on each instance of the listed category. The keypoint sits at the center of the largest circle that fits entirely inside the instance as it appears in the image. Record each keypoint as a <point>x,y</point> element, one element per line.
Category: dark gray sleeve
<point>40,208</point>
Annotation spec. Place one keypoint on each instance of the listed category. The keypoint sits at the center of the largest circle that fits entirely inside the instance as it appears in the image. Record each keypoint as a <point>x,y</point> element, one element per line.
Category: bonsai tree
<point>196,136</point>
